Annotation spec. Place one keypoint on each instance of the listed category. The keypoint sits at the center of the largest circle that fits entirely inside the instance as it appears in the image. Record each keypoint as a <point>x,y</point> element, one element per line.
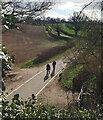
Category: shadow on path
<point>53,73</point>
<point>47,74</point>
<point>46,77</point>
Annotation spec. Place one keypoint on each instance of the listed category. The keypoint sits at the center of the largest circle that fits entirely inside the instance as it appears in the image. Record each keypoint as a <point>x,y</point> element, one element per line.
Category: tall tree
<point>77,21</point>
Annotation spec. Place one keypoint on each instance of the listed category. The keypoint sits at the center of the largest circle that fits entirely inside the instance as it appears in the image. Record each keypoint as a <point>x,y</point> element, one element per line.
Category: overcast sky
<point>65,8</point>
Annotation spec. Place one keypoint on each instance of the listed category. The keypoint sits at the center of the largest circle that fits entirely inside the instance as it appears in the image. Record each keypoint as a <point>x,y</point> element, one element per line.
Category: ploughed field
<point>28,42</point>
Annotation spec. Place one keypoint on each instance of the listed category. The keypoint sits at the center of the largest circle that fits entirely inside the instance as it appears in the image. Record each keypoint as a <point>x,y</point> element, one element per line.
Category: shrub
<point>68,75</point>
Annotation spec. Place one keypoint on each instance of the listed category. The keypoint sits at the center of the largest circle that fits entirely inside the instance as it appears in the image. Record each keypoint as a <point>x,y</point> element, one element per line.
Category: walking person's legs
<point>53,68</point>
<point>48,71</point>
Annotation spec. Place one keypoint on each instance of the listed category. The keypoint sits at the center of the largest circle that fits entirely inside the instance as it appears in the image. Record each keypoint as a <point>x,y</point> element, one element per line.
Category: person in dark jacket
<point>54,64</point>
<point>48,69</point>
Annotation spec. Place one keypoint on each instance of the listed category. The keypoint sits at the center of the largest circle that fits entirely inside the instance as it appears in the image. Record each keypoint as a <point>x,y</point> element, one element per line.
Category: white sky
<point>65,8</point>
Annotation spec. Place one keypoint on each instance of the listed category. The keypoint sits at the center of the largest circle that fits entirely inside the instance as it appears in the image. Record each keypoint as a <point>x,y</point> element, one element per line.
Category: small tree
<point>77,21</point>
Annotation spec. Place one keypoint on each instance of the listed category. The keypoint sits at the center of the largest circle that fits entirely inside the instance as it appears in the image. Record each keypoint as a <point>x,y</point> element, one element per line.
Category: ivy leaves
<point>7,18</point>
<point>9,21</point>
<point>32,109</point>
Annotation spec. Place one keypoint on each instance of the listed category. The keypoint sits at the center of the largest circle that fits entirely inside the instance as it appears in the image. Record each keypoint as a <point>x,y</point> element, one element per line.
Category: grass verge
<point>81,73</point>
<point>68,75</point>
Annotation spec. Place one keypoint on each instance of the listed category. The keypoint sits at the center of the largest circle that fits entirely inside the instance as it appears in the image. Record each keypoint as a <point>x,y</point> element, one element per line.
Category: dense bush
<point>68,75</point>
<point>31,110</point>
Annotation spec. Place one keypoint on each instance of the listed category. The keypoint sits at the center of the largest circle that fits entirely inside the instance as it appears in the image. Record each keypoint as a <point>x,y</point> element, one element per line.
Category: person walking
<point>48,69</point>
<point>54,64</point>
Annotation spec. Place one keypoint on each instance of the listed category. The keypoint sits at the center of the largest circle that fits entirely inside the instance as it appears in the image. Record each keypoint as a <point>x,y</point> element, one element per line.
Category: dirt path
<point>35,83</point>
<point>19,76</point>
<point>52,94</point>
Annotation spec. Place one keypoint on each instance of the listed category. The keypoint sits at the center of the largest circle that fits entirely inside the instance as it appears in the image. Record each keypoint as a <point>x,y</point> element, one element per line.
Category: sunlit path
<point>36,83</point>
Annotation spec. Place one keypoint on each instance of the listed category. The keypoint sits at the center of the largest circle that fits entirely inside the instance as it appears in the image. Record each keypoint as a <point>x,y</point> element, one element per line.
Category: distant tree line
<point>43,21</point>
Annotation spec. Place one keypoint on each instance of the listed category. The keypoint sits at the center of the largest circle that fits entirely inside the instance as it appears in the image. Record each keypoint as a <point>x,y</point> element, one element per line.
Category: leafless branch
<point>23,10</point>
<point>86,6</point>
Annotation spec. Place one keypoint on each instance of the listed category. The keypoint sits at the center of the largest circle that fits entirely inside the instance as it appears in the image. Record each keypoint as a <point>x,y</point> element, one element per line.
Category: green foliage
<point>77,21</point>
<point>32,109</point>
<point>92,82</point>
<point>29,109</point>
<point>6,61</point>
<point>64,27</point>
<point>92,32</point>
<point>68,75</point>
<point>86,78</point>
<point>5,67</point>
<point>8,20</point>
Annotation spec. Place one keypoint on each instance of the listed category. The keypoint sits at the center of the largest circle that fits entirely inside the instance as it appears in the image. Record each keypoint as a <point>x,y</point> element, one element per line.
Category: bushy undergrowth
<point>85,78</point>
<point>85,70</point>
<point>68,75</point>
<point>63,27</point>
<point>33,110</point>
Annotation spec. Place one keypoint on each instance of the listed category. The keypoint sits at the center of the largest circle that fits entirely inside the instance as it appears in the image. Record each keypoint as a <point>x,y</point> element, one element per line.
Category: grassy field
<point>63,26</point>
<point>32,45</point>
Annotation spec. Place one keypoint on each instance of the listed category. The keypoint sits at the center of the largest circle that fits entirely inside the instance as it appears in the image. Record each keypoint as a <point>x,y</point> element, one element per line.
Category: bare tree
<point>102,6</point>
<point>20,10</point>
<point>87,5</point>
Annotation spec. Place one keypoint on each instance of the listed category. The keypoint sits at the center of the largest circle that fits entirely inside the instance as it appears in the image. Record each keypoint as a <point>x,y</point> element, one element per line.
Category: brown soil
<point>54,95</point>
<point>27,42</point>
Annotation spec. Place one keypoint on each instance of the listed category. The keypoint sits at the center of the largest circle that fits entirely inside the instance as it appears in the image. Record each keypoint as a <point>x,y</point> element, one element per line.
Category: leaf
<point>16,97</point>
<point>80,111</point>
<point>22,103</point>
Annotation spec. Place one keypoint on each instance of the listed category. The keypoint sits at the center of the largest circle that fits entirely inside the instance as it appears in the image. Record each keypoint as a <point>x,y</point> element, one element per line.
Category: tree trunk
<point>76,32</point>
<point>58,33</point>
